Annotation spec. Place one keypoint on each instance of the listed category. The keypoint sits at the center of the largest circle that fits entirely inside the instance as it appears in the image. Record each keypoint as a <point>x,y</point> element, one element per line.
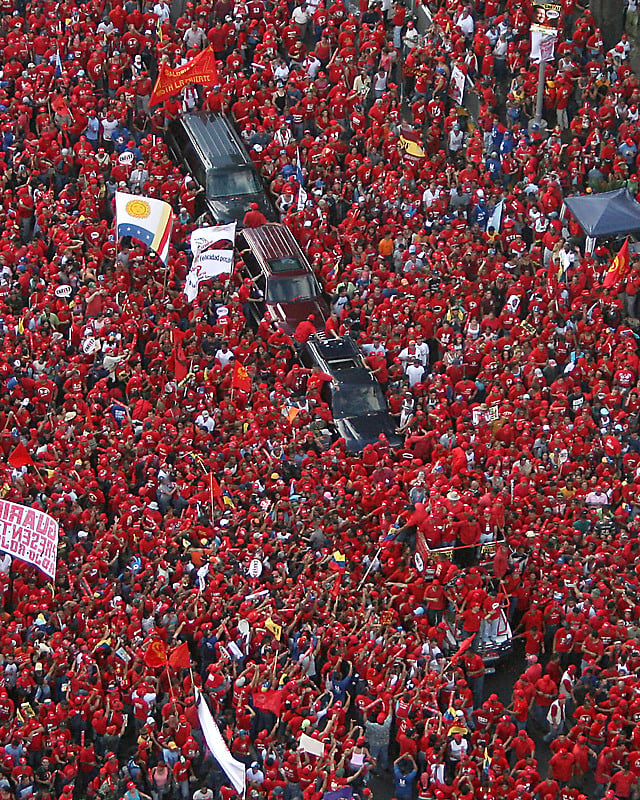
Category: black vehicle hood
<point>228,209</point>
<point>360,431</point>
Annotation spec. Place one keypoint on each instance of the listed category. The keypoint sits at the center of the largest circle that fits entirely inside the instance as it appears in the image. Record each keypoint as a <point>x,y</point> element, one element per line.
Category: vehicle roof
<point>332,352</point>
<point>273,241</point>
<point>332,349</point>
<point>216,138</point>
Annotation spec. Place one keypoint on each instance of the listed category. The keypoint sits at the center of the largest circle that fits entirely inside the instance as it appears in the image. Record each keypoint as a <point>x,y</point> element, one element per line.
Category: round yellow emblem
<point>139,209</point>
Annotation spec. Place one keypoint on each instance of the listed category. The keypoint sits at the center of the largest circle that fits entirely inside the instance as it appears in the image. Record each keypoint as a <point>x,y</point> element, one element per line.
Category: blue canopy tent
<point>607,214</point>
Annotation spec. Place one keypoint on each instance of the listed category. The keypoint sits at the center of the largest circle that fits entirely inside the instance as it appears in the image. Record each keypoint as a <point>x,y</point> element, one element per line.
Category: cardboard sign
<point>387,617</point>
<point>90,345</point>
<point>310,745</point>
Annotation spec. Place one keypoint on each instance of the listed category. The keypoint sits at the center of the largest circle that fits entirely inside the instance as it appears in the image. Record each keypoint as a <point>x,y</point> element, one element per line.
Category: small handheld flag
<point>338,561</point>
<point>275,629</point>
<point>20,457</point>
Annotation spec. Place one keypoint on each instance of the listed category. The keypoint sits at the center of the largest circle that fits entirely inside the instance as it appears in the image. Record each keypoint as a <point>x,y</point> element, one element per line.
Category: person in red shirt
<point>561,766</point>
<point>305,329</point>
<point>475,672</point>
<point>254,218</point>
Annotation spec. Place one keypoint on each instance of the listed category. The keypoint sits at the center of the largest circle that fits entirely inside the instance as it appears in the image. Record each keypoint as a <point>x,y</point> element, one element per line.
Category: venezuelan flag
<point>146,219</point>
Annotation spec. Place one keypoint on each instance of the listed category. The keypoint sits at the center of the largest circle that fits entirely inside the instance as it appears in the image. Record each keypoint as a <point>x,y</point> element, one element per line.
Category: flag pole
<point>172,693</point>
<point>9,415</point>
<point>35,466</point>
<point>211,494</point>
<point>369,568</point>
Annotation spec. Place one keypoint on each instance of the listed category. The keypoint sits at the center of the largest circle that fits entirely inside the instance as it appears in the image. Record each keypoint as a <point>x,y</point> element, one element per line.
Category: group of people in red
<point>212,507</point>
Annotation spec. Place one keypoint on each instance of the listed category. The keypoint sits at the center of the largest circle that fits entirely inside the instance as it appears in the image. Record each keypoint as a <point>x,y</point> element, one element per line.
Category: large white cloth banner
<point>212,250</point>
<point>232,768</point>
<point>29,534</point>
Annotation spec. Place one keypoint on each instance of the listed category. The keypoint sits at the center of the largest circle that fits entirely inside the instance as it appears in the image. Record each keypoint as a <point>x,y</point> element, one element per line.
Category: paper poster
<point>29,534</point>
<point>546,16</point>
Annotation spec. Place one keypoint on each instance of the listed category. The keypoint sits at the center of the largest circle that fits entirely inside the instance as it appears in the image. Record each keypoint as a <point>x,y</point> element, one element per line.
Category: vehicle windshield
<point>285,264</point>
<point>288,290</point>
<point>232,182</point>
<point>350,400</point>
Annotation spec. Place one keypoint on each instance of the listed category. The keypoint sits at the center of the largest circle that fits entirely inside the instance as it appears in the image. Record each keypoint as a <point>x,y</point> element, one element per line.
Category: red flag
<point>20,457</point>
<point>216,491</point>
<point>202,69</point>
<point>271,700</point>
<point>466,644</point>
<point>180,366</point>
<point>59,105</point>
<point>619,267</point>
<point>240,379</point>
<point>155,655</point>
<point>500,563</point>
<point>180,658</point>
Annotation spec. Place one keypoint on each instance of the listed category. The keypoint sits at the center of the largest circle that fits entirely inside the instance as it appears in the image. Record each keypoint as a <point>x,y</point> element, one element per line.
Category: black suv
<point>358,404</point>
<point>215,156</point>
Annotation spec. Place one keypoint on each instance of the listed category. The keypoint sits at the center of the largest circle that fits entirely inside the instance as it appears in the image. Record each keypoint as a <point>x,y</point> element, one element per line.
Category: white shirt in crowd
<point>466,24</point>
<point>205,421</point>
<point>224,357</point>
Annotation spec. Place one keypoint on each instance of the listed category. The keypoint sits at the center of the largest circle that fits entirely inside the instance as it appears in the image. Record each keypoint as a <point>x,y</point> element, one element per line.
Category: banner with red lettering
<point>202,69</point>
<point>30,535</point>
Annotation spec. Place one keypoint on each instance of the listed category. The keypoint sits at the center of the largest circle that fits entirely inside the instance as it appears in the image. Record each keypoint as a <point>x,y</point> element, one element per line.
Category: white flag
<point>495,220</point>
<point>212,250</point>
<point>302,198</point>
<point>302,192</point>
<point>232,768</point>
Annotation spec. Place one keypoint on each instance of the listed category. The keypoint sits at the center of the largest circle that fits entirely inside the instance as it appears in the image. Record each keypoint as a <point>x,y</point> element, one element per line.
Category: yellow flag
<point>275,629</point>
<point>411,148</point>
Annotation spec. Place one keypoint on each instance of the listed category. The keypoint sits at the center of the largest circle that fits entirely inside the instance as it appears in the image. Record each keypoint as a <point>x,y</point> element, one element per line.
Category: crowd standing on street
<point>511,371</point>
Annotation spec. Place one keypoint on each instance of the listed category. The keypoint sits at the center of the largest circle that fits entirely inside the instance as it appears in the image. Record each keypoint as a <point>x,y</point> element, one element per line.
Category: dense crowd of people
<point>197,509</point>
